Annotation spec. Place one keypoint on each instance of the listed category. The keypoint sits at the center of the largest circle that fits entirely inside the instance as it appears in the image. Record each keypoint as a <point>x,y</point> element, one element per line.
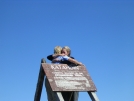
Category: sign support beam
<point>60,96</point>
<point>93,96</point>
<point>39,86</point>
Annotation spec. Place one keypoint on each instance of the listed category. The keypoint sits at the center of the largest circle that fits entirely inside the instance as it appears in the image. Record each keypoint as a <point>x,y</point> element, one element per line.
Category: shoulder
<point>50,57</point>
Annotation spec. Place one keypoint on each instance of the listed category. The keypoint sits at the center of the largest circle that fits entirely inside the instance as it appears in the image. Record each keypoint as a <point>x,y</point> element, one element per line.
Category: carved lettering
<point>64,67</point>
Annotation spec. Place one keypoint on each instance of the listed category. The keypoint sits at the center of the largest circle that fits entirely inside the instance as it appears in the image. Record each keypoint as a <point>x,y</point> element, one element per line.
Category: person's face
<point>63,51</point>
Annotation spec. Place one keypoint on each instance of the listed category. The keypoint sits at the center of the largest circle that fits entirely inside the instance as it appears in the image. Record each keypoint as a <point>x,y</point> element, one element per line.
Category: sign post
<point>69,78</point>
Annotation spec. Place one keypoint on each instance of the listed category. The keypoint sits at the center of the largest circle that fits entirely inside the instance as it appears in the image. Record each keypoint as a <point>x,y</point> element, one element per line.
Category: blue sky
<point>99,33</point>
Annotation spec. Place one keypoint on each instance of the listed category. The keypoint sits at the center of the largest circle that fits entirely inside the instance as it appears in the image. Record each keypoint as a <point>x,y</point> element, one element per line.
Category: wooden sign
<point>68,78</point>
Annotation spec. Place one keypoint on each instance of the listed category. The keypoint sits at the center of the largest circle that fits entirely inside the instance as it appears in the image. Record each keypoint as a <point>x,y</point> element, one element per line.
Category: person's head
<point>57,50</point>
<point>66,50</point>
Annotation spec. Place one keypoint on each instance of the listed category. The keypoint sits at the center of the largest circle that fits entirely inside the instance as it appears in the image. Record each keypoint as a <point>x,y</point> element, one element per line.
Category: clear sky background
<point>99,33</point>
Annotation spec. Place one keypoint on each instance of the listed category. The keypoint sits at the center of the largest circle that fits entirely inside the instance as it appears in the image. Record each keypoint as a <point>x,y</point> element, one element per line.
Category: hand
<point>80,64</point>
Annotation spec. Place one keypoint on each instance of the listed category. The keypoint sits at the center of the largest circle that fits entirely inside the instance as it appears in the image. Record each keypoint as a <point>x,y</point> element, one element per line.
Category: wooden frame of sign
<point>65,78</point>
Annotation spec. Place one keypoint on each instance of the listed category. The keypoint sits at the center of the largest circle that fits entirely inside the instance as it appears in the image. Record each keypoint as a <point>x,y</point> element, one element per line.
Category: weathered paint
<point>67,78</point>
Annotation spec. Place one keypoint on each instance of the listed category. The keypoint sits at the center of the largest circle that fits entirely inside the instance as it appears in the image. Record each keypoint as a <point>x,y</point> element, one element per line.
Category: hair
<point>57,50</point>
<point>67,49</point>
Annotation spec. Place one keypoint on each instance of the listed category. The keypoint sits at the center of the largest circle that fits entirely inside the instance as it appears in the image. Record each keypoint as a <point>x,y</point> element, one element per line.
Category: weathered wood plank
<point>93,96</point>
<point>60,96</point>
<point>65,78</point>
<point>40,82</point>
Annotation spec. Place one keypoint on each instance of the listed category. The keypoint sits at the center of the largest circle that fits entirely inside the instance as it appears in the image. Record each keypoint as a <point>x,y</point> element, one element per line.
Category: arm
<point>75,61</point>
<point>51,57</point>
<point>72,60</point>
<point>56,55</point>
<point>55,60</point>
